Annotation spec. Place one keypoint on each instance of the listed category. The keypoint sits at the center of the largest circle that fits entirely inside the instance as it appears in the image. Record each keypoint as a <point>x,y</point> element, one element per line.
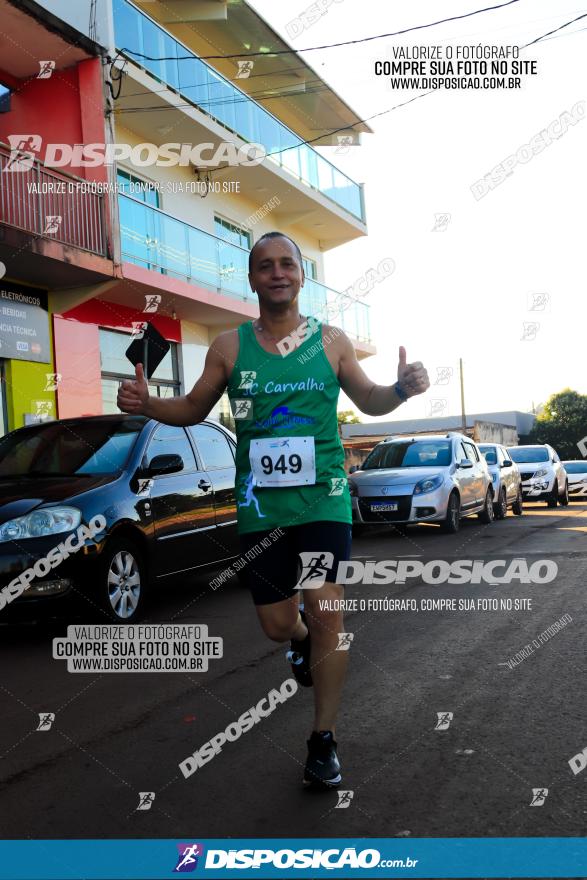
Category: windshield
<point>69,448</point>
<point>526,454</point>
<point>575,467</point>
<point>490,454</point>
<point>409,453</point>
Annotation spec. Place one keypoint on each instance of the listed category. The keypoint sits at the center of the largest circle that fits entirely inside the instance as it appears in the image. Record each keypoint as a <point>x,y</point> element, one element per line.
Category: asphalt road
<point>513,729</point>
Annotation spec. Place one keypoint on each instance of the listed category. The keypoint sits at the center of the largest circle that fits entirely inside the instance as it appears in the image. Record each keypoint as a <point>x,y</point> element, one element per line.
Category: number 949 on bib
<point>283,461</point>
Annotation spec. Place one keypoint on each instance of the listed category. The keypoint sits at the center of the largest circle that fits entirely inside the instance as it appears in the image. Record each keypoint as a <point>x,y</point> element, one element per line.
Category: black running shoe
<point>299,657</point>
<point>322,767</point>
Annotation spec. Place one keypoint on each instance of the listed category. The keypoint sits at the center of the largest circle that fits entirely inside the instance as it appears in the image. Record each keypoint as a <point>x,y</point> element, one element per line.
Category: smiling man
<point>283,373</point>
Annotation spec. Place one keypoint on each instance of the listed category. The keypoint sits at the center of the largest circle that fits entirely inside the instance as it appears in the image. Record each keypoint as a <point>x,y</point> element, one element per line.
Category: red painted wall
<point>77,358</point>
<point>66,108</point>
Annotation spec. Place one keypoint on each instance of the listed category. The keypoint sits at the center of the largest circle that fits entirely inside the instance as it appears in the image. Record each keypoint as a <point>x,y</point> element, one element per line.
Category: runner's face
<point>276,273</point>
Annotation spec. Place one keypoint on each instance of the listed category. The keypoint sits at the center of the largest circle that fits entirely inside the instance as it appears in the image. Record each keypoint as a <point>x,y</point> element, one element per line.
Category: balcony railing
<point>200,84</point>
<point>158,241</point>
<point>51,204</point>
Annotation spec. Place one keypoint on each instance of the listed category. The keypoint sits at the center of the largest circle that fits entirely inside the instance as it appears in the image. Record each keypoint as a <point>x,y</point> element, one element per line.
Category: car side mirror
<point>354,468</point>
<point>165,464</point>
<point>465,463</point>
<point>506,464</point>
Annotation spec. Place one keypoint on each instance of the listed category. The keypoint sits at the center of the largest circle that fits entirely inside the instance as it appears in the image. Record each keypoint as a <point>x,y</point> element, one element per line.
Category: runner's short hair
<point>270,235</point>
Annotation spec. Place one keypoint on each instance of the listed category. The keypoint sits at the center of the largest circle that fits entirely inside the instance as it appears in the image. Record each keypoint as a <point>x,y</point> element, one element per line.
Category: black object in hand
<point>148,348</point>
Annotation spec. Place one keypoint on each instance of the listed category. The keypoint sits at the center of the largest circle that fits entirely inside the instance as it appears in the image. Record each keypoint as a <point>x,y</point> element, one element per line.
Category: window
<point>491,454</point>
<point>5,96</point>
<point>232,232</point>
<point>115,367</point>
<point>169,440</point>
<point>213,447</point>
<point>310,269</point>
<point>471,452</point>
<point>137,187</point>
<point>94,447</point>
<point>409,453</point>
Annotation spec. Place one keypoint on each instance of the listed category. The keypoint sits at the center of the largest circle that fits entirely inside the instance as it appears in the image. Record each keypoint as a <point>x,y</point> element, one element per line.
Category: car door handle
<point>204,484</point>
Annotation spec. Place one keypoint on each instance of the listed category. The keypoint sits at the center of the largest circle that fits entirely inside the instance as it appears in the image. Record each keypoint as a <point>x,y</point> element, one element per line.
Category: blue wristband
<point>400,392</point>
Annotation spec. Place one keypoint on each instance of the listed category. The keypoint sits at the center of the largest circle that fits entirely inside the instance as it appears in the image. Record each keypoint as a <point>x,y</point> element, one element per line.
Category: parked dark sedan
<point>163,497</point>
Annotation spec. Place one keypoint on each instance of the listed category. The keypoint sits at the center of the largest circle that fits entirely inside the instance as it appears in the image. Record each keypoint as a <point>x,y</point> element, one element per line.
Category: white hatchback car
<point>543,475</point>
<point>506,479</point>
<point>437,479</point>
<point>577,471</point>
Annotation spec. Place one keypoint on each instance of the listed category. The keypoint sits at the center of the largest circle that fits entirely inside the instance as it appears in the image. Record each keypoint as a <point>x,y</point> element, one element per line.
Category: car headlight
<point>541,473</point>
<point>48,521</point>
<point>428,484</point>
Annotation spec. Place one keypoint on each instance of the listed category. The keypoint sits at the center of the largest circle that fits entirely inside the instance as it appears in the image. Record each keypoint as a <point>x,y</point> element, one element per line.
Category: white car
<point>506,480</point>
<point>437,479</point>
<point>577,472</point>
<point>543,475</point>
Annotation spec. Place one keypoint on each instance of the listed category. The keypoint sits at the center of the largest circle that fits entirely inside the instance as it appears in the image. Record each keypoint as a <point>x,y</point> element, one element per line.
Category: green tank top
<point>285,413</point>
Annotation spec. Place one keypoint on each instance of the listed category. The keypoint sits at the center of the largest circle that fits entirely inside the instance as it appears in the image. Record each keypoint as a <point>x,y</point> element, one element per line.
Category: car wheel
<point>518,505</point>
<point>553,500</point>
<point>452,520</point>
<point>486,515</point>
<point>122,581</point>
<point>500,510</point>
<point>563,499</point>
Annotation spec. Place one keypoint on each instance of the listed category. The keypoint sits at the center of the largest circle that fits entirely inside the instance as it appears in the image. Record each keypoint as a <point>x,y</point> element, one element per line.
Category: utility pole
<point>463,416</point>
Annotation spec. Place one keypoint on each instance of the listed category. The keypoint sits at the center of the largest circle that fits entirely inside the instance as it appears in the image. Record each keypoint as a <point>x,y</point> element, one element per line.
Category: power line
<point>565,25</point>
<point>407,30</point>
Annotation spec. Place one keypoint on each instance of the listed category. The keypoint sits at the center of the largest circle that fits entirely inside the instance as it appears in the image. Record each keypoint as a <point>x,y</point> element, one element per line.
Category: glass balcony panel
<point>153,47</point>
<point>203,256</point>
<point>135,231</point>
<point>199,83</point>
<point>269,133</point>
<point>129,32</point>
<point>193,79</point>
<point>309,166</point>
<point>169,50</point>
<point>158,241</point>
<point>171,245</point>
<point>247,119</point>
<point>290,159</point>
<point>233,269</point>
<point>221,105</point>
<point>325,176</point>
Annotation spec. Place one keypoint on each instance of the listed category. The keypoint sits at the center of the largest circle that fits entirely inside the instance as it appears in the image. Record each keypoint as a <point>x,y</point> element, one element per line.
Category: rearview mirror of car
<point>465,463</point>
<point>506,464</point>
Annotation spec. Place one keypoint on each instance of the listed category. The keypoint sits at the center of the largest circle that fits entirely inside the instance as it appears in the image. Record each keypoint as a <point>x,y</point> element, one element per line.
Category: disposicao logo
<point>188,855</point>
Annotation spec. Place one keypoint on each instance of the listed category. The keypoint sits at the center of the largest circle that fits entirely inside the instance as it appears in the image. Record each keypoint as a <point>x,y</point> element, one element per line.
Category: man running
<point>289,467</point>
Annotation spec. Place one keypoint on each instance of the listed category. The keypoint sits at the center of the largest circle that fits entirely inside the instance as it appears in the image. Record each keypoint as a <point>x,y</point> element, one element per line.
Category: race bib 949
<point>283,461</point>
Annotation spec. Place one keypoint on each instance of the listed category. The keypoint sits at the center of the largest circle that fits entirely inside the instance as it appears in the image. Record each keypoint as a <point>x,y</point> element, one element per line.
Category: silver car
<point>543,475</point>
<point>506,479</point>
<point>437,479</point>
<point>577,473</point>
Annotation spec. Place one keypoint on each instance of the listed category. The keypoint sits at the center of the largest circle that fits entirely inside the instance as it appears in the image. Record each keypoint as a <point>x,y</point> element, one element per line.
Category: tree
<point>347,417</point>
<point>562,423</point>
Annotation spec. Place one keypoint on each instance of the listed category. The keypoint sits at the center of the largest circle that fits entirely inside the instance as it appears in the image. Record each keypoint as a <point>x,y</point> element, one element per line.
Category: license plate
<point>382,506</point>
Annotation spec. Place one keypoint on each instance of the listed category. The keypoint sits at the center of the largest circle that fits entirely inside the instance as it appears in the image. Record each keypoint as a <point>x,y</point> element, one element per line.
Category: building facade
<point>137,171</point>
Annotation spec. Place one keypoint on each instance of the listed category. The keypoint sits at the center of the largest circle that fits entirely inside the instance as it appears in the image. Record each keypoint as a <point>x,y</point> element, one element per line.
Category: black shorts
<point>273,567</point>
